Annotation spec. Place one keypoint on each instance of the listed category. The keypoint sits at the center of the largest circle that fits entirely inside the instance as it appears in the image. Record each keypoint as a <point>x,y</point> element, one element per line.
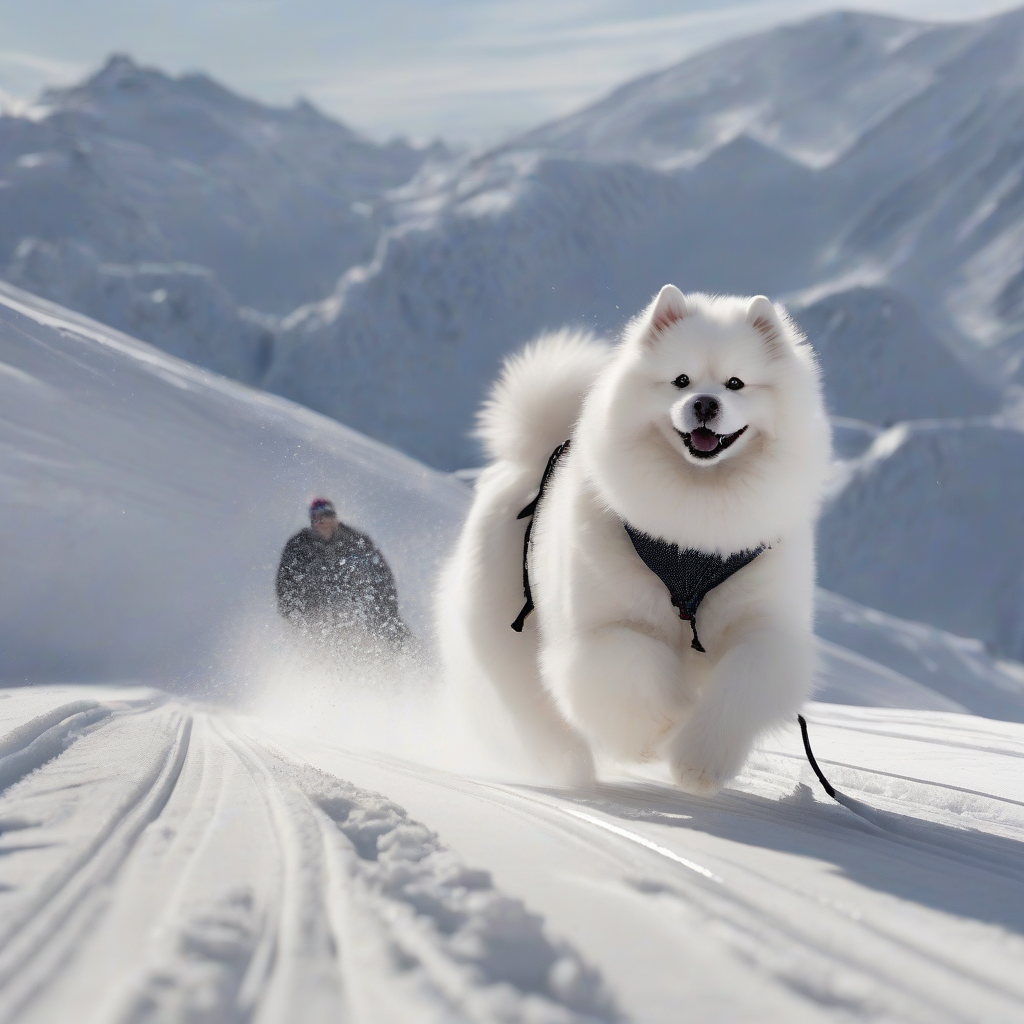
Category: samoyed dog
<point>668,571</point>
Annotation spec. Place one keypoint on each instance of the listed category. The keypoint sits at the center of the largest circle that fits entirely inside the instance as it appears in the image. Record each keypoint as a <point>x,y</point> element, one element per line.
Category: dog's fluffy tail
<point>536,401</point>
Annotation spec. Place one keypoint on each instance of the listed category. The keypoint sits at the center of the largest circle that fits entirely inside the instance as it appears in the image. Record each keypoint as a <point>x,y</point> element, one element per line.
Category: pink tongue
<point>704,440</point>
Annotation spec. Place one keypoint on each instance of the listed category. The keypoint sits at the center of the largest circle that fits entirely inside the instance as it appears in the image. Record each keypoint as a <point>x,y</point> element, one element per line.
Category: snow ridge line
<point>24,734</point>
<point>48,931</point>
<point>48,744</point>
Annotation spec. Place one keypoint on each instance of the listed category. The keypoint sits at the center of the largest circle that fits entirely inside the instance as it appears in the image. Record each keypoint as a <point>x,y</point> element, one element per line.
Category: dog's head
<point>713,367</point>
<point>711,409</point>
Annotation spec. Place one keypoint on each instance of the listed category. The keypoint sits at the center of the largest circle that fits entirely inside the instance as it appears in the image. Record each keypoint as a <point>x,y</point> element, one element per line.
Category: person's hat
<point>321,507</point>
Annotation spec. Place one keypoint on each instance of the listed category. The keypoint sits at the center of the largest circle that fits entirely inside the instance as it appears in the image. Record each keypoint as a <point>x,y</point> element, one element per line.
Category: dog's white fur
<point>605,661</point>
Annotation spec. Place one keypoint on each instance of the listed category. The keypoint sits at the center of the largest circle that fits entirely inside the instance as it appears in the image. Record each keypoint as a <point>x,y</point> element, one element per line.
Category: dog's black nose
<point>705,408</point>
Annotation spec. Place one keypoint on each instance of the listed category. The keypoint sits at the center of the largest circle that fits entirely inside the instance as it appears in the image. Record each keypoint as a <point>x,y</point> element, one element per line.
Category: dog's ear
<point>765,319</point>
<point>668,308</point>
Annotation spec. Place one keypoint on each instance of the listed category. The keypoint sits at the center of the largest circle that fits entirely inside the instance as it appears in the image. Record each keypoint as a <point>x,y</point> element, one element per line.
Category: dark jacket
<point>343,582</point>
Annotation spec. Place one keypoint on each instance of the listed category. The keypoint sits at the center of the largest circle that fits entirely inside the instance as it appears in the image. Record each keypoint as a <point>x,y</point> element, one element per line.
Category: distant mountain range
<point>868,170</point>
<point>144,167</point>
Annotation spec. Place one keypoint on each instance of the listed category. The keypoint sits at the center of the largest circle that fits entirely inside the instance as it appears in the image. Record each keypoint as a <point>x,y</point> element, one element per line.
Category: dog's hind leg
<point>558,749</point>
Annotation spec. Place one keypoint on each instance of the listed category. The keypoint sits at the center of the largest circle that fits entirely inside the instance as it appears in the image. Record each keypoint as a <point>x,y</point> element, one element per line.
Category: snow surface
<point>314,844</point>
<point>166,862</point>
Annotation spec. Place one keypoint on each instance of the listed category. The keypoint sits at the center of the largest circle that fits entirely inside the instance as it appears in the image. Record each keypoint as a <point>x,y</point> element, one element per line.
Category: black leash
<point>872,818</point>
<point>530,511</point>
<point>825,784</point>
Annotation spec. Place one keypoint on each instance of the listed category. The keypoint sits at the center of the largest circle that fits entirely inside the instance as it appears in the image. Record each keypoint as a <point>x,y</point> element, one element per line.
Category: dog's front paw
<point>576,770</point>
<point>565,760</point>
<point>703,768</point>
<point>698,780</point>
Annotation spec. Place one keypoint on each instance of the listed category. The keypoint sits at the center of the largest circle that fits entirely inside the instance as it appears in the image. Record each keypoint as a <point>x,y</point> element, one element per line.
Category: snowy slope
<point>182,305</point>
<point>928,526</point>
<point>881,364</point>
<point>308,847</point>
<point>212,878</point>
<point>870,658</point>
<point>145,503</point>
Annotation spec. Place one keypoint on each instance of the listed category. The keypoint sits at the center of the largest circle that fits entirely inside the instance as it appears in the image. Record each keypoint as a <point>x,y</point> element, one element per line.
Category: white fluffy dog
<point>699,444</point>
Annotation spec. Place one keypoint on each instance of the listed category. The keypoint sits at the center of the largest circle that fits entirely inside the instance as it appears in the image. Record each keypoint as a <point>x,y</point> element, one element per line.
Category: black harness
<point>690,575</point>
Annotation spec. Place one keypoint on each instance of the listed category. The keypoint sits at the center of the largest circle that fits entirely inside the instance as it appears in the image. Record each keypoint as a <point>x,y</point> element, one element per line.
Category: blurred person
<point>336,588</point>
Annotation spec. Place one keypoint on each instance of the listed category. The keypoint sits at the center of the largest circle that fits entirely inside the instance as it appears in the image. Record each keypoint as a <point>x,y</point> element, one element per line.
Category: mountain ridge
<point>139,165</point>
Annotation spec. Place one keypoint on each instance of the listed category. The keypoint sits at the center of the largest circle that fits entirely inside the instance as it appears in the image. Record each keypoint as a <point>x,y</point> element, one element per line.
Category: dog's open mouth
<point>706,444</point>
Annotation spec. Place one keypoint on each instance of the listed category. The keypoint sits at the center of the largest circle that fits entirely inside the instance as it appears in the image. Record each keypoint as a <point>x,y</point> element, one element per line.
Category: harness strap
<point>688,574</point>
<point>530,511</point>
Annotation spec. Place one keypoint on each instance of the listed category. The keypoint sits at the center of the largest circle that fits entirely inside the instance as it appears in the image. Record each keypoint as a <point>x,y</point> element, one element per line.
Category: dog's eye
<point>682,381</point>
<point>734,383</point>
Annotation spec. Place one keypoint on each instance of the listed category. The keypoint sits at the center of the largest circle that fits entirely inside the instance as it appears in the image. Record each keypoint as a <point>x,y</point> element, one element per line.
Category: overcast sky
<point>470,71</point>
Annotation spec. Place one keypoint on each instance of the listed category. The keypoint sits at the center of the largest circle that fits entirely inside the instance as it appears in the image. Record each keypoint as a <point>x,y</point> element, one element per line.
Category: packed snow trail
<point>770,902</point>
<point>167,864</point>
<point>161,861</point>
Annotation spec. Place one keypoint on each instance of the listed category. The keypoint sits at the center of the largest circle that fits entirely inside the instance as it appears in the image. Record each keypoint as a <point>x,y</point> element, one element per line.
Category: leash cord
<point>825,784</point>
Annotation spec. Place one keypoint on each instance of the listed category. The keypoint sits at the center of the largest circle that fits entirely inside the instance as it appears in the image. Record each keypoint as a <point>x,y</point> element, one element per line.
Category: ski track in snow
<point>228,883</point>
<point>232,873</point>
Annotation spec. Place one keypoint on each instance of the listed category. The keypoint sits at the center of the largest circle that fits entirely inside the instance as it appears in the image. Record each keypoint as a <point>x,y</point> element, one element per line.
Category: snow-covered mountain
<point>848,151</point>
<point>181,304</point>
<point>766,163</point>
<point>141,166</point>
<point>929,526</point>
<point>914,130</point>
<point>810,90</point>
<point>525,242</point>
<point>881,363</point>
